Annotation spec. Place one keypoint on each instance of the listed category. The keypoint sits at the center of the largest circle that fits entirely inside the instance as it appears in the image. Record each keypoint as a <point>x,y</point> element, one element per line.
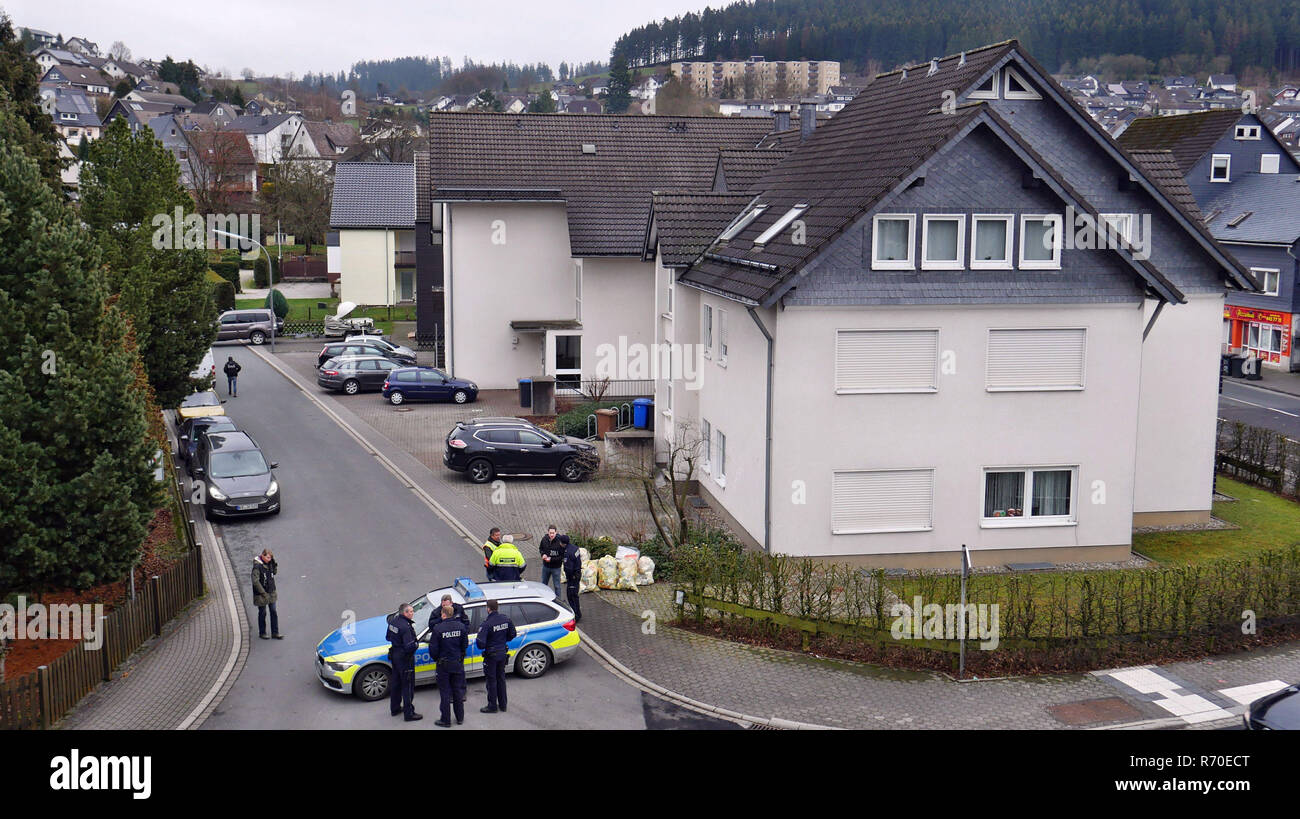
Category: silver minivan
<point>252,323</point>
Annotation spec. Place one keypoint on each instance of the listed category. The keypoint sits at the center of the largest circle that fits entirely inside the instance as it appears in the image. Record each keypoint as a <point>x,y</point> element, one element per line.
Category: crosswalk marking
<point>1246,694</point>
<point>1169,695</point>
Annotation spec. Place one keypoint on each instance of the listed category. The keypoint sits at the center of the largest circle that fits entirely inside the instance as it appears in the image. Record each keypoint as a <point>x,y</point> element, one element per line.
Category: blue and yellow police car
<point>354,659</point>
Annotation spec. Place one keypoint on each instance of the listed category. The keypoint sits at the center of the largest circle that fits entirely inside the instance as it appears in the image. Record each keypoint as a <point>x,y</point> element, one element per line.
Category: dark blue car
<point>427,384</point>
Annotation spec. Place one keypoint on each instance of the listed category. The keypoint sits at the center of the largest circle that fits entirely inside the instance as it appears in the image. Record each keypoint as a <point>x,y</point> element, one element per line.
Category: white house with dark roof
<point>539,222</point>
<point>922,351</point>
<point>373,211</point>
<point>269,135</point>
<point>86,78</point>
<point>73,113</point>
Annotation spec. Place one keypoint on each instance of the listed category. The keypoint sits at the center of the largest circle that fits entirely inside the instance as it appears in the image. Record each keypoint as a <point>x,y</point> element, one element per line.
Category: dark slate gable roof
<point>607,193</point>
<point>257,123</point>
<point>1187,136</point>
<point>1161,167</point>
<point>740,168</point>
<point>373,195</point>
<point>1273,201</point>
<point>844,167</point>
<point>683,225</point>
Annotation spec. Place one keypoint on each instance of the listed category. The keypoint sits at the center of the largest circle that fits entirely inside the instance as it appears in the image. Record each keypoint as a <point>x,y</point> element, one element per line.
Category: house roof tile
<point>373,195</point>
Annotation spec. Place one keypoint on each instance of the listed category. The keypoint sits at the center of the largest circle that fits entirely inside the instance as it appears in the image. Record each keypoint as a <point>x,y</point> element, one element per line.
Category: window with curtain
<point>1040,242</point>
<point>942,241</point>
<point>992,245</point>
<point>892,242</point>
<point>1049,492</point>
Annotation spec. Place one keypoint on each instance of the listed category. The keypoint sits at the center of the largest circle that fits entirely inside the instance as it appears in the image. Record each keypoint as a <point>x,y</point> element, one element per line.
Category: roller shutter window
<point>885,361</point>
<point>882,501</point>
<point>1036,359</point>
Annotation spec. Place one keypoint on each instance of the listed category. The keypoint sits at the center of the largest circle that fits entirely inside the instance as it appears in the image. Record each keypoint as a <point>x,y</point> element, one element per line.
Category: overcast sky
<point>279,36</point>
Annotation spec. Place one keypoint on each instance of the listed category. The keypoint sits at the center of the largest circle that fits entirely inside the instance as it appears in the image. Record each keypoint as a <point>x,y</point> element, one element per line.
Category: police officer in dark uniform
<point>572,576</point>
<point>401,653</point>
<point>458,611</point>
<point>449,640</point>
<point>496,632</point>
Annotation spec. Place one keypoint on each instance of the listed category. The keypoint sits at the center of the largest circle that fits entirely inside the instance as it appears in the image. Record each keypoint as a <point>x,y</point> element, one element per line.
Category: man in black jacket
<point>231,369</point>
<point>458,611</point>
<point>448,642</point>
<point>401,653</point>
<point>552,551</point>
<point>497,631</point>
<point>572,576</point>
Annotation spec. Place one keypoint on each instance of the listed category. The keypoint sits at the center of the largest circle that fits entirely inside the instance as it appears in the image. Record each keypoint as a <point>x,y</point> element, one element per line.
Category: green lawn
<point>308,310</point>
<point>1266,520</point>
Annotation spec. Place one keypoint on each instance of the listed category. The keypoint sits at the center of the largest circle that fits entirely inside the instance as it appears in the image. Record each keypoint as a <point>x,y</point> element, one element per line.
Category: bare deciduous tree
<point>667,489</point>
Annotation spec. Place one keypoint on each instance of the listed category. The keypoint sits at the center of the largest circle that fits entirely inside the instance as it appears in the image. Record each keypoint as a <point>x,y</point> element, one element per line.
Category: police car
<point>354,659</point>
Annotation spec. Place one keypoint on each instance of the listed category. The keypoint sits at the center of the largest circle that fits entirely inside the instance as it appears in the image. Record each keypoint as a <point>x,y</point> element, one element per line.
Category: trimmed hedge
<point>223,292</point>
<point>574,422</point>
<point>277,302</point>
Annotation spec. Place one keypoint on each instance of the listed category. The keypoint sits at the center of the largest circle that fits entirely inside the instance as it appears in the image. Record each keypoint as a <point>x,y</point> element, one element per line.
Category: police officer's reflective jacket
<point>448,642</point>
<point>507,562</point>
<point>496,631</point>
<point>401,636</point>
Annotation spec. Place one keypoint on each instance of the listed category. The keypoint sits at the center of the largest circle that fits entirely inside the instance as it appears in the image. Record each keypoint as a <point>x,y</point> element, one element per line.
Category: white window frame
<point>781,224</point>
<point>1274,163</point>
<point>668,314</point>
<point>1027,519</point>
<point>721,449</point>
<point>721,315</point>
<point>1246,132</point>
<point>577,290</point>
<point>1057,243</point>
<point>706,437</point>
<point>1259,328</point>
<point>894,264</point>
<point>706,329</point>
<point>886,530</point>
<point>1120,223</point>
<point>1264,273</point>
<point>993,264</point>
<point>1027,94</point>
<point>991,94</point>
<point>741,222</point>
<point>944,264</point>
<point>1227,167</point>
<point>668,393</point>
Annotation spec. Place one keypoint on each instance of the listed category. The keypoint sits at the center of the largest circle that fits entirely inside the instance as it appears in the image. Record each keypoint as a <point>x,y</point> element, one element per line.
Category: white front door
<point>564,358</point>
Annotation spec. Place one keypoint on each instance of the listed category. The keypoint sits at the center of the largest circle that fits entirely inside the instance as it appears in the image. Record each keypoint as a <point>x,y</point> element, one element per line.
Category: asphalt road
<point>1259,407</point>
<point>352,537</point>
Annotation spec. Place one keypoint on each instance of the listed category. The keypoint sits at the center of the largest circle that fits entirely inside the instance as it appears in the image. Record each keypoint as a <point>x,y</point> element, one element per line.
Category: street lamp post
<point>270,275</point>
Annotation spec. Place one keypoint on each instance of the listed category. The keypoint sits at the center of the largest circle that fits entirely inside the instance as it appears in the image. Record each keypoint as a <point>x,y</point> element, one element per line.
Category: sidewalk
<point>766,683</point>
<point>176,680</point>
<point>1274,380</point>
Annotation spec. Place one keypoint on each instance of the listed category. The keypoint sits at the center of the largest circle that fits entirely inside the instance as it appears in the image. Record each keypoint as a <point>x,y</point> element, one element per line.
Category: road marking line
<point>1172,697</point>
<point>1261,406</point>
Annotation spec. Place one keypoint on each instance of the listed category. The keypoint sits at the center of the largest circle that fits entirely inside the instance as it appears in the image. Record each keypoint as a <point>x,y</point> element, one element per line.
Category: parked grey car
<point>252,323</point>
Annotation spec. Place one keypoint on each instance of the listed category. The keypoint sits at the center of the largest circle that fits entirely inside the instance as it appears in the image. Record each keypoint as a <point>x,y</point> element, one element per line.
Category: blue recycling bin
<point>525,392</point>
<point>642,412</point>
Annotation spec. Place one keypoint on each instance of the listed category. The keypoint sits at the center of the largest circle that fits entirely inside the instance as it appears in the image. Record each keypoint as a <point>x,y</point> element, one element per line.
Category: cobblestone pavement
<point>602,506</point>
<point>163,685</point>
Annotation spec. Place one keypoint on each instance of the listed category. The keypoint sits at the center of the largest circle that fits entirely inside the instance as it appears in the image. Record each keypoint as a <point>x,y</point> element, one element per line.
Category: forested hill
<point>1248,33</point>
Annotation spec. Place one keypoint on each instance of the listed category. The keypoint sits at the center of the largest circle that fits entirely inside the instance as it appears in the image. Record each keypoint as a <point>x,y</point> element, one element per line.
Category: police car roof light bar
<point>468,588</point>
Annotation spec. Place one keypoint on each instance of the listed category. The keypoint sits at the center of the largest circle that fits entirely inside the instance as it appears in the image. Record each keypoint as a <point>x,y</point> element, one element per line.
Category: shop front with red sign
<point>1264,333</point>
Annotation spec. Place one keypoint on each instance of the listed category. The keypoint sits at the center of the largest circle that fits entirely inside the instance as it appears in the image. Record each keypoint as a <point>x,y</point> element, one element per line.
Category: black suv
<point>483,449</point>
<point>237,479</point>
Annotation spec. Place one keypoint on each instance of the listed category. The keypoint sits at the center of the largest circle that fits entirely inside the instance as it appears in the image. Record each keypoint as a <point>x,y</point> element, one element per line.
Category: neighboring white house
<point>541,222</point>
<point>373,210</point>
<point>904,356</point>
<point>269,135</point>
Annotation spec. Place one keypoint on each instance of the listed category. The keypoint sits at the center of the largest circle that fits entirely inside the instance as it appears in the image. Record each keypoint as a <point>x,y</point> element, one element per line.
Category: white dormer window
<point>1221,168</point>
<point>1016,87</point>
<point>892,247</point>
<point>987,90</point>
<point>943,240</point>
<point>991,243</point>
<point>1247,132</point>
<point>741,222</point>
<point>1040,242</point>
<point>1118,224</point>
<point>781,224</point>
